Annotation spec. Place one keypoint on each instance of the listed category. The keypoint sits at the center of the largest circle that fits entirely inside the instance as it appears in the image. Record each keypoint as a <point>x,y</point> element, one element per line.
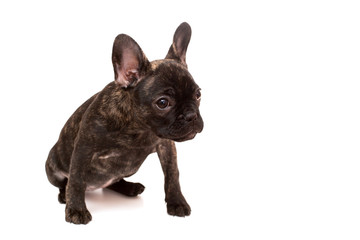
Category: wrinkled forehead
<point>167,65</point>
<point>167,75</point>
<point>172,72</point>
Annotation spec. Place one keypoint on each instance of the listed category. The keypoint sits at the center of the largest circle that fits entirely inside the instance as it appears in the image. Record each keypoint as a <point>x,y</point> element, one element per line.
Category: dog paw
<point>127,188</point>
<point>179,209</point>
<point>77,216</point>
<point>135,189</point>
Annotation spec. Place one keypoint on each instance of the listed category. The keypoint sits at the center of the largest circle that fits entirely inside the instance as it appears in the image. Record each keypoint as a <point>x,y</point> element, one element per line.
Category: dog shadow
<point>105,199</point>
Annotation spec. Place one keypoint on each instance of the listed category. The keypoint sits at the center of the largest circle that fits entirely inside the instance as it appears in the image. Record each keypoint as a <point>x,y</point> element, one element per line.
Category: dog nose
<point>190,116</point>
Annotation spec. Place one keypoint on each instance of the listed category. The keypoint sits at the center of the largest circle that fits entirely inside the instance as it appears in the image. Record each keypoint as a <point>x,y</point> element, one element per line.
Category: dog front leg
<point>76,211</point>
<point>176,203</point>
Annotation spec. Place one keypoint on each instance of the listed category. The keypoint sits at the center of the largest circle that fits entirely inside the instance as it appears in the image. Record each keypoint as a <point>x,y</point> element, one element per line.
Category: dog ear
<point>129,61</point>
<point>181,41</point>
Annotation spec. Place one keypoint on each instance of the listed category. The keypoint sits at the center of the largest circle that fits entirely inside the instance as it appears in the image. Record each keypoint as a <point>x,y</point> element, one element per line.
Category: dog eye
<point>162,103</point>
<point>198,94</point>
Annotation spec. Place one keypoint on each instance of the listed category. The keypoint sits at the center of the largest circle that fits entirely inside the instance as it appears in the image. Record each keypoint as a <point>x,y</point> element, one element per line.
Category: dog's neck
<point>116,105</point>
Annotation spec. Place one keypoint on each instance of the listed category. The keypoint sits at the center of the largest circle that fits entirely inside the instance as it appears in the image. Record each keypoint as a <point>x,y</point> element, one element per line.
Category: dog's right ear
<point>129,61</point>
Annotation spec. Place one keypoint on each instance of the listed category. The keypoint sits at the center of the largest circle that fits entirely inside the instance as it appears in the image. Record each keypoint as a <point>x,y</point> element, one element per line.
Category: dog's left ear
<point>129,61</point>
<point>181,41</point>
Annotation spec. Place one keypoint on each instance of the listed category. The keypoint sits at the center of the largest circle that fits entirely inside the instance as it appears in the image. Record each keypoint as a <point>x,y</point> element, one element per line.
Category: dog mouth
<point>188,135</point>
<point>185,137</point>
<point>180,138</point>
<point>182,133</point>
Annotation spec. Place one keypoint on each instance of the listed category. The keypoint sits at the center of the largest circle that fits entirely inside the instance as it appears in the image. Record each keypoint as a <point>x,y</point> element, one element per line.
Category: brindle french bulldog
<point>148,107</point>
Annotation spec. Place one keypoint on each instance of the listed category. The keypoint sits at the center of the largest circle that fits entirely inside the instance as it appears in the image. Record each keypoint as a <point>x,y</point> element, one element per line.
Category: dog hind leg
<point>127,188</point>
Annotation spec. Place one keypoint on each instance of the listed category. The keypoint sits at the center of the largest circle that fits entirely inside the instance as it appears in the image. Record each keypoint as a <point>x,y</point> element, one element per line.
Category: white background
<point>279,154</point>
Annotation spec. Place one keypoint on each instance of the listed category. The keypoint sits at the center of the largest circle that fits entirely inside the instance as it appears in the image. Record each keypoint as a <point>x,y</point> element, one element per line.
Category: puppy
<point>148,107</point>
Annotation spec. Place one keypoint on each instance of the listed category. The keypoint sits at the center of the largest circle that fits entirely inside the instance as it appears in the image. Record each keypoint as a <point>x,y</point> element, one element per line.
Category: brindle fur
<point>111,134</point>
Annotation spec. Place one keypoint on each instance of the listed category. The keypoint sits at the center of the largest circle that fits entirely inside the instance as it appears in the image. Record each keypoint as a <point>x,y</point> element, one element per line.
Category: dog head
<point>165,94</point>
